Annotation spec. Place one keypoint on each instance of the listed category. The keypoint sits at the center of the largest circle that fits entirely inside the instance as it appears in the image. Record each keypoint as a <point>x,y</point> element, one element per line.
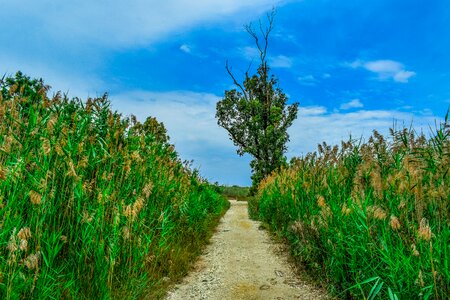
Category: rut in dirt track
<point>240,263</point>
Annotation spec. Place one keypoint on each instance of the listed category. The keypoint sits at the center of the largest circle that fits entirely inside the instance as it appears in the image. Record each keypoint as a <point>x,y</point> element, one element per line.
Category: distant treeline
<point>233,192</point>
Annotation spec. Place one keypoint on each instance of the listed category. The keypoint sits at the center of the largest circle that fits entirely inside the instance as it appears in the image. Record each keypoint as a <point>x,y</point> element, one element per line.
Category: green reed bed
<point>92,205</point>
<point>368,220</point>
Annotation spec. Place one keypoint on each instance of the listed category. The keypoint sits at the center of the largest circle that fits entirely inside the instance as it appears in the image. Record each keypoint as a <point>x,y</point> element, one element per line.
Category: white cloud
<point>280,61</point>
<point>403,76</point>
<point>355,103</point>
<point>250,53</point>
<point>72,83</point>
<point>385,69</point>
<point>311,110</point>
<point>117,23</point>
<point>189,118</point>
<point>185,48</point>
<point>307,80</point>
<point>308,130</point>
<point>383,66</point>
<point>355,64</point>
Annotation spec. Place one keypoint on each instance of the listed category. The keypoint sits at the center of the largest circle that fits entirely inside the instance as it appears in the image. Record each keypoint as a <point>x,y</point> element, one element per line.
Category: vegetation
<point>92,205</point>
<point>235,192</point>
<point>368,219</point>
<point>257,117</point>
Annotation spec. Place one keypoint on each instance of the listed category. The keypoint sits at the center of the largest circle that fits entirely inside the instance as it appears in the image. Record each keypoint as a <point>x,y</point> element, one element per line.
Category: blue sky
<point>353,66</point>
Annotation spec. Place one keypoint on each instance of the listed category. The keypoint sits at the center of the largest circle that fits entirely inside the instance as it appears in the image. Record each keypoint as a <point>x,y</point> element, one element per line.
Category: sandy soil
<point>241,263</point>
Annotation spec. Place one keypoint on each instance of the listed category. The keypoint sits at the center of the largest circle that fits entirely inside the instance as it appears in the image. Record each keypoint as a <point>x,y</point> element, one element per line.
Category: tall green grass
<point>92,205</point>
<point>368,219</point>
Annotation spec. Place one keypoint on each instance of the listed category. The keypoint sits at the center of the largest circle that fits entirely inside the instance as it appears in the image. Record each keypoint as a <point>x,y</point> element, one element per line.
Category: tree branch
<point>235,81</point>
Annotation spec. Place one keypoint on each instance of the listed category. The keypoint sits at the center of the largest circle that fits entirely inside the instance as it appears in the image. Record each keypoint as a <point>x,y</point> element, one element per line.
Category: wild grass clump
<point>368,219</point>
<point>92,205</point>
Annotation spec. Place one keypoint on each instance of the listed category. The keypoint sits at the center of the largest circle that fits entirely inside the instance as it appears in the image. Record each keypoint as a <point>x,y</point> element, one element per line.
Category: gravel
<point>241,263</point>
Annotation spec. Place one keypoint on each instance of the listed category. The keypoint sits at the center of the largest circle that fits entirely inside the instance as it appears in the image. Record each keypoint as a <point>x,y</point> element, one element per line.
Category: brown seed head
<point>394,223</point>
<point>72,172</point>
<point>345,210</point>
<point>13,88</point>
<point>128,211</point>
<point>424,232</point>
<point>321,201</point>
<point>23,245</point>
<point>83,163</point>
<point>7,144</point>
<point>136,157</point>
<point>51,124</point>
<point>402,204</point>
<point>46,148</point>
<point>35,197</point>
<point>137,206</point>
<point>32,261</point>
<point>87,218</point>
<point>59,150</point>
<point>150,258</point>
<point>377,183</point>
<point>2,173</point>
<point>376,212</point>
<point>24,233</point>
<point>147,190</point>
<point>12,244</point>
<point>126,233</point>
<point>80,148</point>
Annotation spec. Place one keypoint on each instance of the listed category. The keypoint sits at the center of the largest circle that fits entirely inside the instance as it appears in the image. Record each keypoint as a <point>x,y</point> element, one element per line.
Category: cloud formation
<point>355,103</point>
<point>185,48</point>
<point>118,23</point>
<point>280,61</point>
<point>385,69</point>
<point>307,80</point>
<point>315,125</point>
<point>190,120</point>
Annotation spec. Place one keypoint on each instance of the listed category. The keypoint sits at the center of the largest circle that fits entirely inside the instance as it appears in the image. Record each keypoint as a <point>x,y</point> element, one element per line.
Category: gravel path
<point>240,263</point>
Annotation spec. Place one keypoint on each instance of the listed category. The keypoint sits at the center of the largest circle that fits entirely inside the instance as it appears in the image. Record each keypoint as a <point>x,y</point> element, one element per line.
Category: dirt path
<point>240,263</point>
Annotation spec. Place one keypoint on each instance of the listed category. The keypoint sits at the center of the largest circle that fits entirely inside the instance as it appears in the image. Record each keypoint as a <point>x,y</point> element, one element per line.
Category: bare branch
<point>235,81</point>
<point>252,32</point>
<point>265,34</point>
<point>269,28</point>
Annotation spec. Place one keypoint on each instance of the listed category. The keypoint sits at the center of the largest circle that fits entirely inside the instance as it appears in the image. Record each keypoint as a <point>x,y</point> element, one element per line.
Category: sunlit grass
<point>92,205</point>
<point>368,218</point>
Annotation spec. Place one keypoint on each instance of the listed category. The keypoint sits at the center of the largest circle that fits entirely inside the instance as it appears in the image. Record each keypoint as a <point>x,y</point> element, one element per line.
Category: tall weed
<point>92,205</point>
<point>368,218</point>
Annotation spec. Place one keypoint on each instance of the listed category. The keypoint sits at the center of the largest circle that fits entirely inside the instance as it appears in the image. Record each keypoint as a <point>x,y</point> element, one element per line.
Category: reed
<point>92,205</point>
<point>368,219</point>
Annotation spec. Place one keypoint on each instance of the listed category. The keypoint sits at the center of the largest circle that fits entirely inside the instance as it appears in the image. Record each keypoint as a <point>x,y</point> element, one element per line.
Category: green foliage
<point>257,117</point>
<point>371,220</point>
<point>234,192</point>
<point>92,205</point>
